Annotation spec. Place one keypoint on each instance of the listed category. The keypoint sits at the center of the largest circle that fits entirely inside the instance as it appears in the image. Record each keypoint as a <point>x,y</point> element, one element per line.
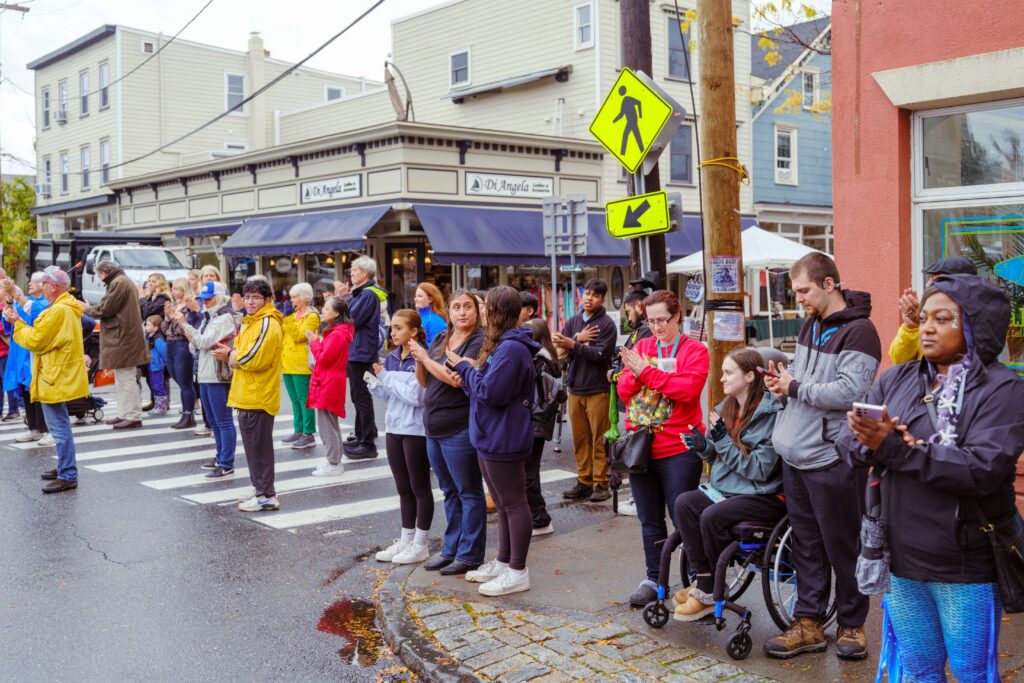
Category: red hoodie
<point>684,387</point>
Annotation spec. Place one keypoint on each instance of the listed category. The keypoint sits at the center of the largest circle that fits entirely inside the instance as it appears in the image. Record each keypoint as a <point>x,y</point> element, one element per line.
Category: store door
<point>405,271</point>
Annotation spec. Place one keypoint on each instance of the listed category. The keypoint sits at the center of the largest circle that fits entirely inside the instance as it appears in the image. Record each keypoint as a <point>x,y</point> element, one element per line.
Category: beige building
<point>106,101</point>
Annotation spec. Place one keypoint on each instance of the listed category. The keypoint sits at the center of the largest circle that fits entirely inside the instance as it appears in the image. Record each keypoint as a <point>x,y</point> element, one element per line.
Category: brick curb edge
<point>403,636</point>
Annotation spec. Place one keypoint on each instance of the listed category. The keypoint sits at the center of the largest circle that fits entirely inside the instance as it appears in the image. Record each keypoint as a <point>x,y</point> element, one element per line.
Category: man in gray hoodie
<point>837,358</point>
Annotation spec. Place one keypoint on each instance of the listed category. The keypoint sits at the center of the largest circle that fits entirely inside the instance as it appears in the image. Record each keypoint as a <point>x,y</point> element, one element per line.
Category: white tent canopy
<point>761,250</point>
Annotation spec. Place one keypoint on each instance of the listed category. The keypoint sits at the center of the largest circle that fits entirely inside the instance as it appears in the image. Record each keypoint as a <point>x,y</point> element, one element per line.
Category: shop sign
<point>328,189</point>
<point>493,185</point>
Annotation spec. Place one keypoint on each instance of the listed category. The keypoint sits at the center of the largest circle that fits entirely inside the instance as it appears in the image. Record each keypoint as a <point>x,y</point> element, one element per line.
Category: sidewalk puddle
<point>353,620</point>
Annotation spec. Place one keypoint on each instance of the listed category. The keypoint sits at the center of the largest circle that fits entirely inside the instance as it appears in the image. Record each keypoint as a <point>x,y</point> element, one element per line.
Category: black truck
<point>68,251</point>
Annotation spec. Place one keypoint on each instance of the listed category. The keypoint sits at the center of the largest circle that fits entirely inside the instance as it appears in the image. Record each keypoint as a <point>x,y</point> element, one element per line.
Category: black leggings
<point>538,508</point>
<point>407,456</point>
<point>506,480</point>
<point>34,415</point>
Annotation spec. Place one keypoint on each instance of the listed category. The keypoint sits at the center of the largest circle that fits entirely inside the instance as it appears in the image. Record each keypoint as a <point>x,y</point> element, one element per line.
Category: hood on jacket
<point>118,270</point>
<point>769,404</point>
<point>268,311</point>
<point>381,294</point>
<point>71,302</point>
<point>986,308</point>
<point>523,335</point>
<point>858,305</point>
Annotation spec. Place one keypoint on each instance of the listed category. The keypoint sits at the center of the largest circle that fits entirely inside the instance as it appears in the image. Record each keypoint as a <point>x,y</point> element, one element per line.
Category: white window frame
<point>966,192</point>
<point>85,156</point>
<point>104,79</point>
<point>469,68</point>
<point>794,178</point>
<point>690,54</point>
<point>327,91</point>
<point>83,93</point>
<point>62,98</point>
<point>48,173</point>
<point>816,76</point>
<point>227,98</point>
<point>65,173</point>
<point>44,103</point>
<point>693,159</point>
<point>144,43</point>
<point>577,26</point>
<point>104,161</point>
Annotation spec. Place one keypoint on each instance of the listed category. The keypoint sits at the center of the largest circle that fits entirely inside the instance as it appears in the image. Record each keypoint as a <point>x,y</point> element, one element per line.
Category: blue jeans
<point>455,465</point>
<point>180,364</point>
<point>222,423</point>
<point>656,490</point>
<point>933,621</point>
<point>59,424</point>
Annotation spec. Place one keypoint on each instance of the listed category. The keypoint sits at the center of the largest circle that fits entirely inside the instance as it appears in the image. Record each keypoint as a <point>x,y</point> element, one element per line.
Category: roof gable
<point>789,48</point>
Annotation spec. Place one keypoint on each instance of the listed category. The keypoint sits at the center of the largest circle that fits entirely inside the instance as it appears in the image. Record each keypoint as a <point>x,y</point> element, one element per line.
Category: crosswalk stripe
<point>334,513</point>
<point>147,429</point>
<point>189,439</point>
<point>297,484</point>
<point>174,458</point>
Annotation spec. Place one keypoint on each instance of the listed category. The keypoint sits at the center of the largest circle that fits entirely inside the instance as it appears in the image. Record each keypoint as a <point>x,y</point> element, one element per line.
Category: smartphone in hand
<point>869,411</point>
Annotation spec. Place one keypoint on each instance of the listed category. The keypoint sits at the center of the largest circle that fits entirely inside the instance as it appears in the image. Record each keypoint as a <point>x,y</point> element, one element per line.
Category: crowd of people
<point>469,384</point>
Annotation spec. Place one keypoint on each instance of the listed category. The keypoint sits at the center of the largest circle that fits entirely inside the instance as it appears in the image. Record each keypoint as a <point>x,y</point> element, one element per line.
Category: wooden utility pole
<point>635,23</point>
<point>720,180</point>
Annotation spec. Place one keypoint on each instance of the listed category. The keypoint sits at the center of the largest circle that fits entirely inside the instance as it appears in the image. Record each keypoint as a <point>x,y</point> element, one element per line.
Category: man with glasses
<point>256,388</point>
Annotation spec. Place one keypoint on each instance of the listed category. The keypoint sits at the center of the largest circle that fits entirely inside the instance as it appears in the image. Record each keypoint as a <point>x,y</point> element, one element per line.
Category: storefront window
<point>481,277</point>
<point>283,272</point>
<point>321,273</point>
<point>968,148</point>
<point>241,268</point>
<point>404,276</point>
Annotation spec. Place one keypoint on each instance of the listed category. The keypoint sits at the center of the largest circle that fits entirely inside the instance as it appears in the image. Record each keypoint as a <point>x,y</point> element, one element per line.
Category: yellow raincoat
<point>256,384</point>
<point>906,345</point>
<point>295,357</point>
<point>58,354</point>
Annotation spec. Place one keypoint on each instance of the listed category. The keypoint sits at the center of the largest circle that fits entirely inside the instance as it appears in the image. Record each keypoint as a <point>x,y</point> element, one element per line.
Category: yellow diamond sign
<point>645,214</point>
<point>630,120</point>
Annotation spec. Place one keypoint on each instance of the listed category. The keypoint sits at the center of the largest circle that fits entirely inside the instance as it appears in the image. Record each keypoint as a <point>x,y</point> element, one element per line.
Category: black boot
<point>148,407</point>
<point>187,421</point>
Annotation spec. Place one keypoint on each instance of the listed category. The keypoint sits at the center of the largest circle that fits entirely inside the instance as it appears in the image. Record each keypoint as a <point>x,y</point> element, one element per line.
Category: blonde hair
<point>213,270</point>
<point>161,285</point>
<point>182,284</point>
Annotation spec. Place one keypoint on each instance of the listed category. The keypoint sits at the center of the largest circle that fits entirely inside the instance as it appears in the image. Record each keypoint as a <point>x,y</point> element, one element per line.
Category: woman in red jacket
<point>327,382</point>
<point>677,368</point>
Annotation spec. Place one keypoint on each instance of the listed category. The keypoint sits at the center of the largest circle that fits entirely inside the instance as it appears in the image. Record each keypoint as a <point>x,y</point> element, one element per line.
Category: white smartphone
<point>370,378</point>
<point>868,410</point>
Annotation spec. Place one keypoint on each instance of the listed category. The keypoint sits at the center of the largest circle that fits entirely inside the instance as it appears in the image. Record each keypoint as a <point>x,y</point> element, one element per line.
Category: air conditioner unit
<point>106,218</point>
<point>43,190</point>
<point>62,115</point>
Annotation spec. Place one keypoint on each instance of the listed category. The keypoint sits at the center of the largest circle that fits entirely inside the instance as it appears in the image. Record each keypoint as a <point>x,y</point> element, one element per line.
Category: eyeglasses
<point>658,322</point>
<point>255,298</point>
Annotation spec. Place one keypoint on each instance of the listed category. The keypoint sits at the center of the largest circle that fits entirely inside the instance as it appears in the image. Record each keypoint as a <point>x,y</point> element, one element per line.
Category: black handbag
<point>631,452</point>
<point>1007,540</point>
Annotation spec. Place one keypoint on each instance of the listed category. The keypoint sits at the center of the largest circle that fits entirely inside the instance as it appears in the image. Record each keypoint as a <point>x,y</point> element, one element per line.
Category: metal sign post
<point>565,234</point>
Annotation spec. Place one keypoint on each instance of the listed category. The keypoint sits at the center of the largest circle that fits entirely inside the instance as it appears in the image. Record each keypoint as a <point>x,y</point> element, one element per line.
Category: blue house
<point>792,134</point>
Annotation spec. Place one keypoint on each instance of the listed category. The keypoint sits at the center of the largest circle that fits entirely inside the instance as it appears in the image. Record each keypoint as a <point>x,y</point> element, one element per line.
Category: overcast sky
<point>290,31</point>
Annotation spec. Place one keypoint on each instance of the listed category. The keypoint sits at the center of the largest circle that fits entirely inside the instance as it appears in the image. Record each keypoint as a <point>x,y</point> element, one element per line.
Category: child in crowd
<point>157,364</point>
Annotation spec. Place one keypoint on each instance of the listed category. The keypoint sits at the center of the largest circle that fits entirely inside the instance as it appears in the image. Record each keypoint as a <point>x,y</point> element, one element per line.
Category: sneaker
<point>290,439</point>
<point>326,469</point>
<point>850,642</point>
<point>697,605</point>
<point>544,530</point>
<point>218,472</point>
<point>260,504</point>
<point>803,635</point>
<point>28,436</point>
<point>628,508</point>
<point>49,475</point>
<point>202,430</point>
<point>510,581</point>
<point>47,440</point>
<point>644,593</point>
<point>578,491</point>
<point>487,572</point>
<point>248,493</point>
<point>209,465</point>
<point>414,553</point>
<point>601,493</point>
<point>304,441</point>
<point>388,554</point>
<point>11,417</point>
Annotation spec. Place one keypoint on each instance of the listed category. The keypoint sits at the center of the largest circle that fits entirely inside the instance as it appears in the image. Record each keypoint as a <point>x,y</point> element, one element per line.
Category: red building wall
<point>871,138</point>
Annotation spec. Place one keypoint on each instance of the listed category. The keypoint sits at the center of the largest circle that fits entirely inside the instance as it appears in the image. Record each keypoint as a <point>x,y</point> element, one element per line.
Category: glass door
<point>405,271</point>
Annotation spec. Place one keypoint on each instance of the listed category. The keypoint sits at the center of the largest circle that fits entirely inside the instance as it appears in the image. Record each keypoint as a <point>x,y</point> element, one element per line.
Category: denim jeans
<point>179,366</point>
<point>656,490</point>
<point>59,424</point>
<point>455,465</point>
<point>215,404</point>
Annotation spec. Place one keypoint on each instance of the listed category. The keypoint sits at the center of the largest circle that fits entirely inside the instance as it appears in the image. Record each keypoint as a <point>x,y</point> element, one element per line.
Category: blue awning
<point>207,230</point>
<point>304,233</point>
<point>481,236</point>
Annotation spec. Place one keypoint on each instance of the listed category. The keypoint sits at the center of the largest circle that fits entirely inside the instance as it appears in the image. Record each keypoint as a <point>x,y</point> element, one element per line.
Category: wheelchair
<point>757,548</point>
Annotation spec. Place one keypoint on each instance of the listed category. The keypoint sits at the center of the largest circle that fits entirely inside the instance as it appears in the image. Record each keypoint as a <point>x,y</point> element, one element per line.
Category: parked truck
<point>78,253</point>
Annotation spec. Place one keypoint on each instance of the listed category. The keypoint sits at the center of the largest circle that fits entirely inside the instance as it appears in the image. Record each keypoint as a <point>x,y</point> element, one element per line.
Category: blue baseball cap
<point>212,289</point>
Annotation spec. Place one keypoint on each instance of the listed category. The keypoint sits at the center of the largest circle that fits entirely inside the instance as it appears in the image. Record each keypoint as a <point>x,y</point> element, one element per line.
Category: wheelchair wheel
<point>779,581</point>
<point>740,645</point>
<point>737,581</point>
<point>97,415</point>
<point>656,614</point>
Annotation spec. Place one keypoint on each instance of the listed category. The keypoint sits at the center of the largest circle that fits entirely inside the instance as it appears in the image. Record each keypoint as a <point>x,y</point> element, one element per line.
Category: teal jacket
<point>759,472</point>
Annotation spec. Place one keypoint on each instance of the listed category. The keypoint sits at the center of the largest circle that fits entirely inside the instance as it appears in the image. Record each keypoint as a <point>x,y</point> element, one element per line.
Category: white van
<point>138,262</point>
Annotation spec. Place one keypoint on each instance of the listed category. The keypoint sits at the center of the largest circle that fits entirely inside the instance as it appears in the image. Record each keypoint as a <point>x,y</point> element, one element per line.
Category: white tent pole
<point>768,284</point>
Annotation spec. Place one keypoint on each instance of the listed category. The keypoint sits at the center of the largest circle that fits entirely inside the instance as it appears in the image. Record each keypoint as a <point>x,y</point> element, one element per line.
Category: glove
<point>718,430</point>
<point>695,441</point>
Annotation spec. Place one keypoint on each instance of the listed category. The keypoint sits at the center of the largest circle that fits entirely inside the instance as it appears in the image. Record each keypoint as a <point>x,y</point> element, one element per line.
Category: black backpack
<point>548,393</point>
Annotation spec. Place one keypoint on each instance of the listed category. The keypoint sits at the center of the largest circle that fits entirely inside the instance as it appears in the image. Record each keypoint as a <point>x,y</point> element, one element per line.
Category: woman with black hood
<point>938,466</point>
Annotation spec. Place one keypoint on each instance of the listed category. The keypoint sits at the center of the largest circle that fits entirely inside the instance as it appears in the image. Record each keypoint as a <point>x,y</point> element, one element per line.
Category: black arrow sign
<point>633,215</point>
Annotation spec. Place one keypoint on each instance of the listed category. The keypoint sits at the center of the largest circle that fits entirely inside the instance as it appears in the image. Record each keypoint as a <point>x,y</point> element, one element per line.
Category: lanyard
<point>674,347</point>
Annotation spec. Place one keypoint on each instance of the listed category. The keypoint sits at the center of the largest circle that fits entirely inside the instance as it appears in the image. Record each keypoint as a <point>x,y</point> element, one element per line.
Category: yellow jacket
<point>58,355</point>
<point>256,384</point>
<point>295,356</point>
<point>906,346</point>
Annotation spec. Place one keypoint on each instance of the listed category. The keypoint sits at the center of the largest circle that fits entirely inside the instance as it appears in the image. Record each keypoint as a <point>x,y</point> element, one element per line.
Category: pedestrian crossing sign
<point>631,118</point>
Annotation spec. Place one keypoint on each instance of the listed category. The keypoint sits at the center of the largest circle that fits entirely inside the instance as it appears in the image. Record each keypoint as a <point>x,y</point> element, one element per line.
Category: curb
<point>404,638</point>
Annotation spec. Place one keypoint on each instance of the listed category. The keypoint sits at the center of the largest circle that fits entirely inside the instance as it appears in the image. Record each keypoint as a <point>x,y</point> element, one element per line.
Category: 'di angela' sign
<point>494,185</point>
<point>326,189</point>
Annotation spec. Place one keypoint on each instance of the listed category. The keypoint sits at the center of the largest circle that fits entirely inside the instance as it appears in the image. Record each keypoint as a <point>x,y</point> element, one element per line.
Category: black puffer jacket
<point>933,531</point>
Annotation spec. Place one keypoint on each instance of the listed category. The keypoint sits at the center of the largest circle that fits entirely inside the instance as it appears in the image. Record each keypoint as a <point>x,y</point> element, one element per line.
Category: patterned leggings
<point>933,621</point>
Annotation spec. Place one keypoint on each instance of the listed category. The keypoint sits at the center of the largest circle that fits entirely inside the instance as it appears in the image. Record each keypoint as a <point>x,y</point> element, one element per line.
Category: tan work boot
<point>803,635</point>
<point>851,643</point>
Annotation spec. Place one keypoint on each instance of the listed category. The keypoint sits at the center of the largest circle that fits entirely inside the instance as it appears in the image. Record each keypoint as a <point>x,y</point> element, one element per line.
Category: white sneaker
<point>326,469</point>
<point>388,554</point>
<point>201,430</point>
<point>260,504</point>
<point>28,436</point>
<point>628,508</point>
<point>414,553</point>
<point>487,571</point>
<point>247,494</point>
<point>544,530</point>
<point>509,582</point>
<point>47,440</point>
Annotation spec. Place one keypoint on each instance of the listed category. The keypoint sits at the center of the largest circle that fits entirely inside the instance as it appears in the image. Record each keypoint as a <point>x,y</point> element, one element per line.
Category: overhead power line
<point>256,93</point>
